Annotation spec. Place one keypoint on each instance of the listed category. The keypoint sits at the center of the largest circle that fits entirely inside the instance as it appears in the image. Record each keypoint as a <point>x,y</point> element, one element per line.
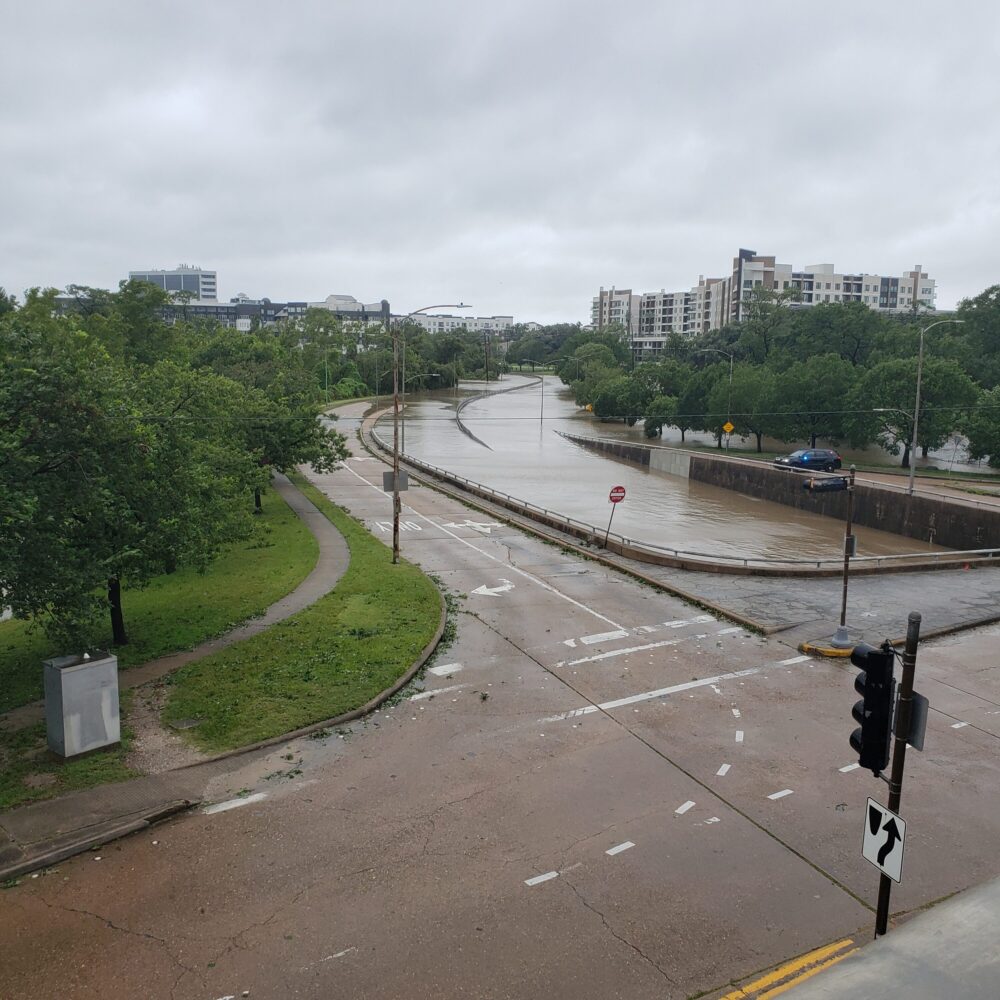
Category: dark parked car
<point>811,459</point>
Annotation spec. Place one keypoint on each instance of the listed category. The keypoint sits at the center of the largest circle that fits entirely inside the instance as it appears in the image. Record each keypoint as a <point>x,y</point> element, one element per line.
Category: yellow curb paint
<point>805,975</point>
<point>817,650</point>
<point>788,969</point>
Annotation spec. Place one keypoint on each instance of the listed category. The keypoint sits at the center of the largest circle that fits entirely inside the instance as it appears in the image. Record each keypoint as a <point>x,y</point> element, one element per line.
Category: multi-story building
<point>442,323</point>
<point>717,302</point>
<point>183,278</point>
<point>616,305</point>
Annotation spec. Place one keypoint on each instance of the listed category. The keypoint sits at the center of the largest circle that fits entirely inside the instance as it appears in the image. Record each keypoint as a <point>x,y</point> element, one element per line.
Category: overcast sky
<point>513,155</point>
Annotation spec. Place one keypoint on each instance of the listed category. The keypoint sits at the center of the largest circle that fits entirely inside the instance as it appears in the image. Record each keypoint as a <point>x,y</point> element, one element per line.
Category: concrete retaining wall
<point>934,518</point>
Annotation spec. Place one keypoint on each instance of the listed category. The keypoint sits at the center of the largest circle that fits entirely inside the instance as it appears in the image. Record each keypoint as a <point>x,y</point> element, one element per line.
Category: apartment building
<point>616,305</point>
<point>196,281</point>
<point>444,322</point>
<point>716,302</point>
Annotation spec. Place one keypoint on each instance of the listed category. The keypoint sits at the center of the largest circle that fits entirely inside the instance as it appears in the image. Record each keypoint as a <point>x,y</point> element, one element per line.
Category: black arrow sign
<point>892,830</point>
<point>874,818</point>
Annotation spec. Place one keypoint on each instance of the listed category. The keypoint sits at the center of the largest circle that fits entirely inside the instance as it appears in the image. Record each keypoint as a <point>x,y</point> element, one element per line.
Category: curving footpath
<point>334,558</point>
<point>45,833</point>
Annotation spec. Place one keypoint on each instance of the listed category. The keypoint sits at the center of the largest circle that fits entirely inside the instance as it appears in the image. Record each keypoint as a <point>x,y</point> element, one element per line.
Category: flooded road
<point>525,457</point>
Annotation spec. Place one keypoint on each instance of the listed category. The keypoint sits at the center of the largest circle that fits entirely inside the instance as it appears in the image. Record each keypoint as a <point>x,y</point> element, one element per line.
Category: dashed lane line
<point>221,807</point>
<point>430,694</point>
<point>539,879</point>
<point>774,796</point>
<point>681,809</point>
<point>618,848</point>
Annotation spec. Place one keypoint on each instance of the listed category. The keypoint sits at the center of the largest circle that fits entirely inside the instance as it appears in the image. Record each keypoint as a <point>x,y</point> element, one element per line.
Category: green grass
<point>183,609</point>
<point>330,658</point>
<point>24,755</point>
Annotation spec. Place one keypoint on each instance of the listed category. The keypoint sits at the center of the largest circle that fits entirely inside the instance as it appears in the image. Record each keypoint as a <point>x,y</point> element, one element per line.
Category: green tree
<point>981,332</point>
<point>748,403</point>
<point>881,404</point>
<point>661,412</point>
<point>810,398</point>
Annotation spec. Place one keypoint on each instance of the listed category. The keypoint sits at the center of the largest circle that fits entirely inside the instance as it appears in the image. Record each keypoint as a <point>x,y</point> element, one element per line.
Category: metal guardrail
<point>834,563</point>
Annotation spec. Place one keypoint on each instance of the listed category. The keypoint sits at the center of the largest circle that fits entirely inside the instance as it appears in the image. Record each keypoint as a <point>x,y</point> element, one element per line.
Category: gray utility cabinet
<point>81,703</point>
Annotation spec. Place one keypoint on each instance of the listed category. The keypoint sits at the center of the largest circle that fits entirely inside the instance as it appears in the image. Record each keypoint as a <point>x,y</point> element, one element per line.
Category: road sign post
<point>904,710</point>
<point>841,639</point>
<point>615,497</point>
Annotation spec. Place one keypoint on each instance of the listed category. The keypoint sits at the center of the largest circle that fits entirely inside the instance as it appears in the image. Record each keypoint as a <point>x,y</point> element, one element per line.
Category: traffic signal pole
<point>904,712</point>
<point>848,546</point>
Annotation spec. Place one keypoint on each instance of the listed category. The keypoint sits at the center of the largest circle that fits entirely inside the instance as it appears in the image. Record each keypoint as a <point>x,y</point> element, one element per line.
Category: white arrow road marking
<point>528,576</point>
<point>485,591</point>
<point>480,526</point>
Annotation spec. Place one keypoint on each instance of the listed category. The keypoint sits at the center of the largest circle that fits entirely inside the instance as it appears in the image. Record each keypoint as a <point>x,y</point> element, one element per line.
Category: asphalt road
<point>597,791</point>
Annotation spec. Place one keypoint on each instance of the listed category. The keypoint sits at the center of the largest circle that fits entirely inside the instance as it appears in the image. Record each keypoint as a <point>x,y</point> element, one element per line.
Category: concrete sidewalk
<point>44,833</point>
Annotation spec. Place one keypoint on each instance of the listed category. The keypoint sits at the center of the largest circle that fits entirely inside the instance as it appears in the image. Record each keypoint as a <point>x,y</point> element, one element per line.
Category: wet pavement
<point>599,791</point>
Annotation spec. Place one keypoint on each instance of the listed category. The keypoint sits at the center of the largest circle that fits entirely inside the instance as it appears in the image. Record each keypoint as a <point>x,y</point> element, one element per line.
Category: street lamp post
<point>396,504</point>
<point>916,405</point>
<point>729,408</point>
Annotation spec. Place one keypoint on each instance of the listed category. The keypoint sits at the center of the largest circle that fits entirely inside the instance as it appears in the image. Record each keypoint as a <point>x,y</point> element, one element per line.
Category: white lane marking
<point>780,795</point>
<point>681,809</point>
<point>589,640</point>
<point>538,879</point>
<point>496,559</point>
<point>569,642</point>
<point>221,807</point>
<point>572,868</point>
<point>849,767</point>
<point>445,669</point>
<point>340,954</point>
<point>959,725</point>
<point>736,713</point>
<point>623,652</point>
<point>485,591</point>
<point>724,770</point>
<point>681,622</point>
<point>729,631</point>
<point>618,848</point>
<point>739,735</point>
<point>658,693</point>
<point>716,689</point>
<point>712,819</point>
<point>794,659</point>
<point>430,694</point>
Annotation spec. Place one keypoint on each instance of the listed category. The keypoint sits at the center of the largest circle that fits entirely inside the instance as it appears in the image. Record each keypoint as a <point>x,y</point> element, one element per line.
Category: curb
<point>104,834</point>
<point>351,716</point>
<point>820,648</point>
<point>117,828</point>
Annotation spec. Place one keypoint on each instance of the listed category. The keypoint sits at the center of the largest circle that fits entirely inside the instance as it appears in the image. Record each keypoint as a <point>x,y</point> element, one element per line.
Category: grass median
<point>182,609</point>
<point>330,658</point>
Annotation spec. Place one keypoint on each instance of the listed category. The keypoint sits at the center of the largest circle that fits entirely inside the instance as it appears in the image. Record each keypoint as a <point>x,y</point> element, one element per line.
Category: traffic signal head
<point>876,686</point>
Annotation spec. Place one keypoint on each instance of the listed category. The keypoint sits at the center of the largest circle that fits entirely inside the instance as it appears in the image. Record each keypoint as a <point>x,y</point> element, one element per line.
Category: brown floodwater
<point>526,458</point>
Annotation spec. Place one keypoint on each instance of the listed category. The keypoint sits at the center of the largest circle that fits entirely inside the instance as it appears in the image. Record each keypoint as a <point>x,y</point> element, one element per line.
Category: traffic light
<point>874,711</point>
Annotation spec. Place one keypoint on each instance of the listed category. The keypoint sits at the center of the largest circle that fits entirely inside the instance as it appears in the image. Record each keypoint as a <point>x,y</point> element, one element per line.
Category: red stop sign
<point>617,494</point>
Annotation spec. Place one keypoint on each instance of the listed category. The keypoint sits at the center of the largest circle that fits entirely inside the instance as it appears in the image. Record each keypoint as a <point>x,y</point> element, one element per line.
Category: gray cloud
<point>516,156</point>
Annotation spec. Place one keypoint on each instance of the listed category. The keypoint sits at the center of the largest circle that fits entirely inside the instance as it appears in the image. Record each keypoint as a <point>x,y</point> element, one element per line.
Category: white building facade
<point>716,302</point>
<point>444,323</point>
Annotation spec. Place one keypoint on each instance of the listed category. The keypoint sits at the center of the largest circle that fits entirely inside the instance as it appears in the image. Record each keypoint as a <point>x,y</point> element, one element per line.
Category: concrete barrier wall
<point>935,518</point>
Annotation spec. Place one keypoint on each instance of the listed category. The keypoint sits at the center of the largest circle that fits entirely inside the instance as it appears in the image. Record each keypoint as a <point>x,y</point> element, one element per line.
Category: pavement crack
<point>144,935</point>
<point>618,937</point>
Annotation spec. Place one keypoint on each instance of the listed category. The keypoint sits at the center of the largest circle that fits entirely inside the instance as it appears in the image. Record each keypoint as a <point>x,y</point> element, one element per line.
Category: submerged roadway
<point>597,790</point>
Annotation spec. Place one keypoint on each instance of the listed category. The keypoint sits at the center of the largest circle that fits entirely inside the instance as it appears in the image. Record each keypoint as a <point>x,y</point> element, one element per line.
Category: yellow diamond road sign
<point>729,427</point>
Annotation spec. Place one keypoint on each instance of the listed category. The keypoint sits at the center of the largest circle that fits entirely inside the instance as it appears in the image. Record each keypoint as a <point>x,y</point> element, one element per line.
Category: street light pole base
<point>841,640</point>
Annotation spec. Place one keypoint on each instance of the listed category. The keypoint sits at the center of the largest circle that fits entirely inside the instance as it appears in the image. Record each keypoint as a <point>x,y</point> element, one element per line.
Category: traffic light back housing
<point>876,686</point>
